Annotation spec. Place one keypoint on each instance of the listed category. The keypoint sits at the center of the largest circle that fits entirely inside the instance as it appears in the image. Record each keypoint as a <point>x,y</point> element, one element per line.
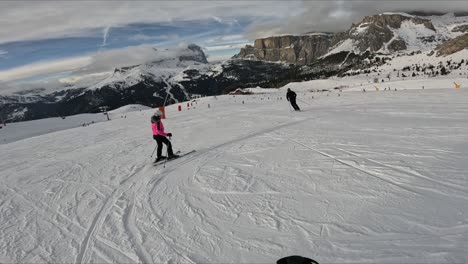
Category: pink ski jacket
<point>158,129</point>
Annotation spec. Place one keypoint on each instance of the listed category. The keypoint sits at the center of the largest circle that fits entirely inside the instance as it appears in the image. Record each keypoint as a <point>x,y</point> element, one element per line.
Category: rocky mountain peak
<point>198,54</point>
<point>380,32</point>
<point>395,20</point>
<point>291,49</point>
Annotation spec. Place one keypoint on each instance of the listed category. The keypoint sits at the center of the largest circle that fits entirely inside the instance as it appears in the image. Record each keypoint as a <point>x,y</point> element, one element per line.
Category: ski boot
<point>160,158</point>
<point>175,156</point>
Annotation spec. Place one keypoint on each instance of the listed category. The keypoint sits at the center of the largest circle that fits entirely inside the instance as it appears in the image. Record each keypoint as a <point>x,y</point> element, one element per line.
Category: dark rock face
<point>395,20</point>
<point>452,46</point>
<point>397,45</point>
<point>198,54</point>
<point>300,50</point>
<point>461,28</point>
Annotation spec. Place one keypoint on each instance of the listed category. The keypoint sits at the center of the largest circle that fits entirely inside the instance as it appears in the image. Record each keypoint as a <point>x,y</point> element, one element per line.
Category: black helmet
<point>155,118</point>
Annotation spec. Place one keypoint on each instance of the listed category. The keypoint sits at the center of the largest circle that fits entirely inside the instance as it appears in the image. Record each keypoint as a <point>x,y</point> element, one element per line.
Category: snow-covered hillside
<point>391,32</point>
<point>376,177</point>
<point>21,130</point>
<point>425,68</point>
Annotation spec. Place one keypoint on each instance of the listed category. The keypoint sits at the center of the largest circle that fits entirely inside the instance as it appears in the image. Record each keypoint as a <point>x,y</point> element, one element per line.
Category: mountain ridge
<point>382,33</point>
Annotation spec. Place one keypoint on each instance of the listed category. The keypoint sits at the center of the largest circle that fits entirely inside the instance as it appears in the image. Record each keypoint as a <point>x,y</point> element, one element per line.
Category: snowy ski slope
<point>376,177</point>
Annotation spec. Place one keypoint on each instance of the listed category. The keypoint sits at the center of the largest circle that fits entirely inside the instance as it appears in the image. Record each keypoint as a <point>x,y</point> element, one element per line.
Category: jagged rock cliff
<point>291,49</point>
<point>452,46</point>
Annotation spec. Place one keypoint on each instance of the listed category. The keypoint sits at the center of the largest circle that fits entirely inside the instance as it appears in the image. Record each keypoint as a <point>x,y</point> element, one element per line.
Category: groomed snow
<point>129,108</point>
<point>360,83</point>
<point>377,177</point>
<point>22,130</point>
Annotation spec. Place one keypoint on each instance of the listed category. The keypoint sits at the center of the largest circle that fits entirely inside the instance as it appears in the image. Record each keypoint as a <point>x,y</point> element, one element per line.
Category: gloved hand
<point>169,134</point>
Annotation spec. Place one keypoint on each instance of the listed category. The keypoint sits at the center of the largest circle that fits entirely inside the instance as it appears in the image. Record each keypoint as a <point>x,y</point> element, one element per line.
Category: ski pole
<point>165,160</point>
<point>304,102</point>
<point>153,151</point>
<point>167,154</point>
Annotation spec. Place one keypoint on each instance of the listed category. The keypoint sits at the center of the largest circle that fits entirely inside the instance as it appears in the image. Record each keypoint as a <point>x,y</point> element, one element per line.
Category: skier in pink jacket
<point>161,137</point>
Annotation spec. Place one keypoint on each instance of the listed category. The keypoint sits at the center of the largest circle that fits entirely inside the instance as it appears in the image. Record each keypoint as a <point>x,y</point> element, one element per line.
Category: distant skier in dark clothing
<point>161,137</point>
<point>291,97</point>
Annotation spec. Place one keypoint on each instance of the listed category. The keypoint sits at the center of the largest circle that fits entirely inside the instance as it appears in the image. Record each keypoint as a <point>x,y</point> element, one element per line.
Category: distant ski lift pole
<point>104,111</point>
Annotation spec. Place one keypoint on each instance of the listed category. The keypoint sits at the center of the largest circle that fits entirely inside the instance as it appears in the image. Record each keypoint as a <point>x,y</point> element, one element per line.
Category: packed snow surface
<point>129,108</point>
<point>375,177</point>
<point>21,130</point>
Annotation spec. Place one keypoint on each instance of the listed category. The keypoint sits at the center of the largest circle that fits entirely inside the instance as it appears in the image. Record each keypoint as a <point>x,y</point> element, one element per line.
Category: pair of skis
<point>168,160</point>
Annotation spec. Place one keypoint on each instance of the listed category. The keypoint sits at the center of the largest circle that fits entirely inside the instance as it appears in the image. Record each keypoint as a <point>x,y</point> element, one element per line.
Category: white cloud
<point>129,56</point>
<point>47,19</point>
<point>231,37</point>
<point>105,35</point>
<point>43,68</point>
<point>226,47</point>
<point>165,37</point>
<point>222,57</point>
<point>84,78</point>
<point>227,38</point>
<point>217,19</point>
<point>3,52</point>
<point>142,37</point>
<point>333,16</point>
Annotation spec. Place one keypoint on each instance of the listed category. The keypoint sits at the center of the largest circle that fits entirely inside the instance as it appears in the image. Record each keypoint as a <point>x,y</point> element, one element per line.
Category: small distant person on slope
<point>161,137</point>
<point>291,97</point>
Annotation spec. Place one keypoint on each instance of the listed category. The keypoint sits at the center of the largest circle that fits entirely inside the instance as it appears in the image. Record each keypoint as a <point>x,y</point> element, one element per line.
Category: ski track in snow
<point>349,179</point>
<point>88,242</point>
<point>409,172</point>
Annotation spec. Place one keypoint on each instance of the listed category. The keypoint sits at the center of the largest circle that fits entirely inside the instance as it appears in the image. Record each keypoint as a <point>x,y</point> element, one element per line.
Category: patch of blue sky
<point>27,52</point>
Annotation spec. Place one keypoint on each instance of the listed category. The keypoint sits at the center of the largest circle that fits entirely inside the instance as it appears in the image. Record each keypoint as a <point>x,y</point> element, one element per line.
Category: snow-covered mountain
<point>386,33</point>
<point>146,84</point>
<point>163,70</point>
<point>400,32</point>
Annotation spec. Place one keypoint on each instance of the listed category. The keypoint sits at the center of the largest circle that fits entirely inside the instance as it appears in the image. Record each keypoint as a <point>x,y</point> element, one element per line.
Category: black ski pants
<point>160,140</point>
<point>293,103</point>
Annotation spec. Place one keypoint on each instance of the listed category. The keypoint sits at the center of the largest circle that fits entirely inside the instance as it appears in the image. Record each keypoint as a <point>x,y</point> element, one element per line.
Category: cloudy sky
<point>51,39</point>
